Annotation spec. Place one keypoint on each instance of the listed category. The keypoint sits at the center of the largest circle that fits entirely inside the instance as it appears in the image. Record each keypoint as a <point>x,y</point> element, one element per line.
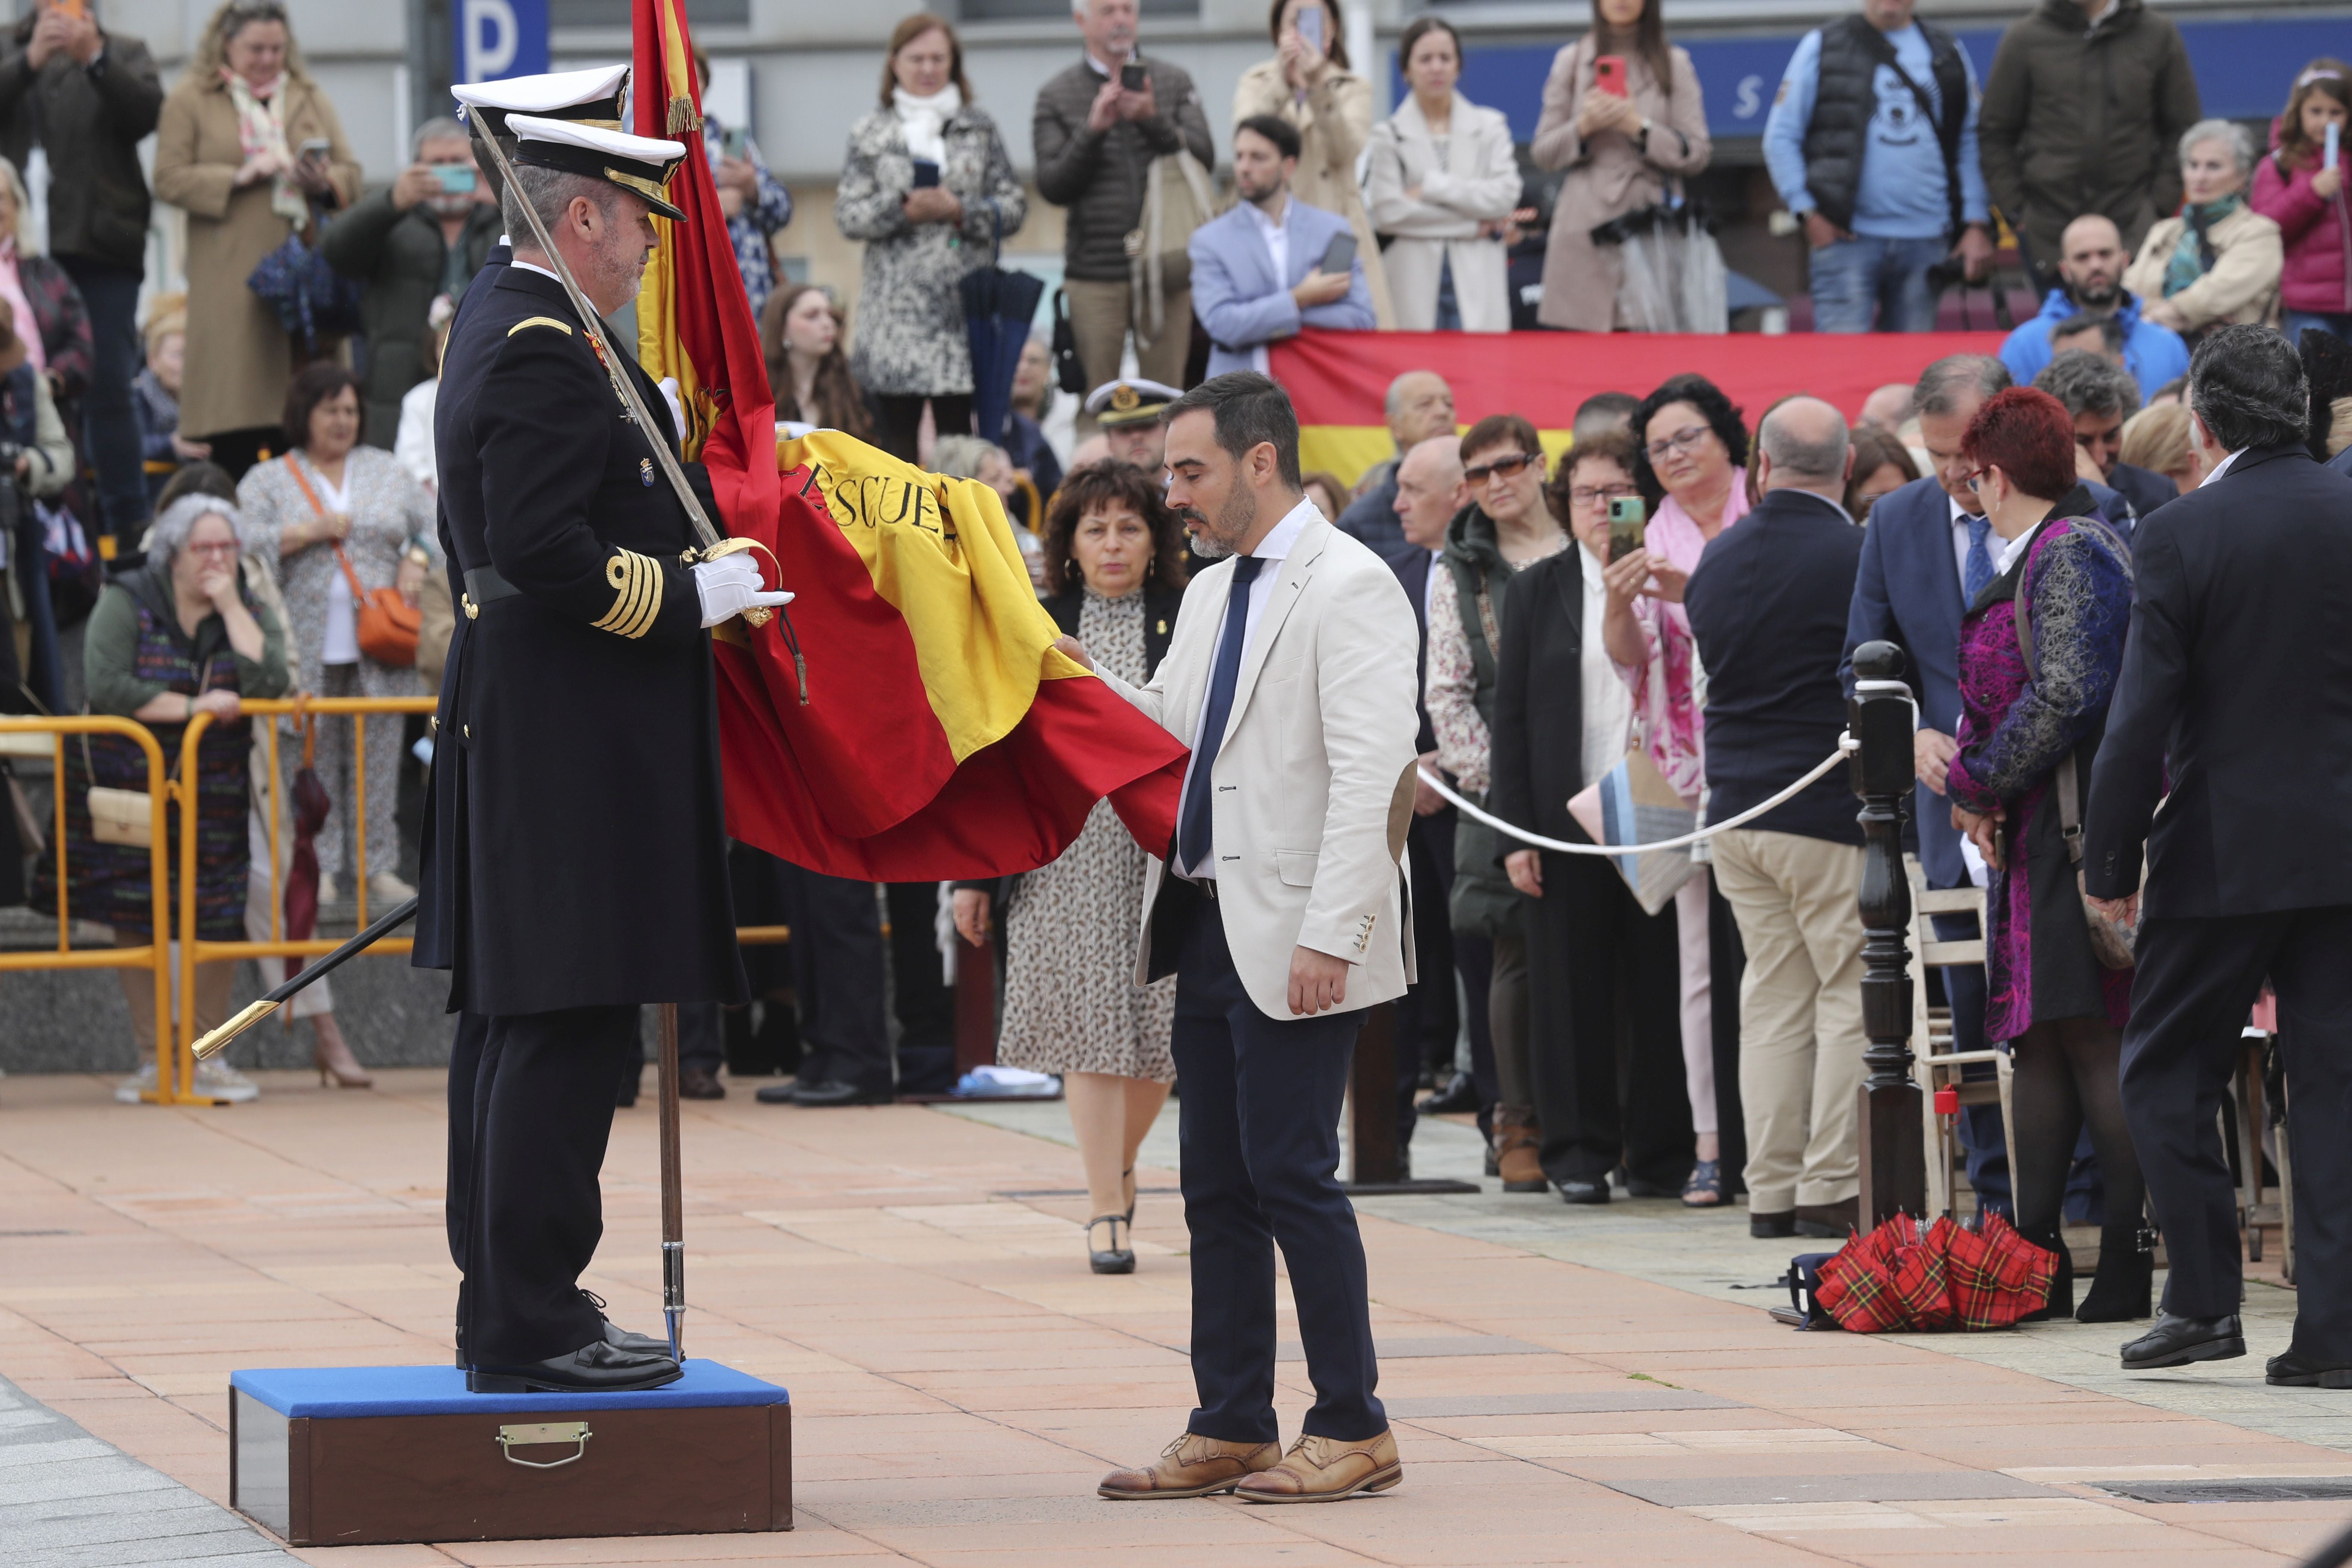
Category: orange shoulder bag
<point>388,624</point>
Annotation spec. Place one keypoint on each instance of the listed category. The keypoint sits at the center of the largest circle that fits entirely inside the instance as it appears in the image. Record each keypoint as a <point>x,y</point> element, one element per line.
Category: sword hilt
<point>674,1296</point>
<point>212,1040</point>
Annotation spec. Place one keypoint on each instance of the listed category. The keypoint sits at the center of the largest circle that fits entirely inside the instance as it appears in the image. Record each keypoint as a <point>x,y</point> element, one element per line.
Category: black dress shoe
<point>776,1093</point>
<point>1457,1096</point>
<point>700,1083</point>
<point>620,1338</point>
<point>1829,1221</point>
<point>2177,1341</point>
<point>596,1367</point>
<point>1584,1190</point>
<point>2293,1369</point>
<point>1638,1187</point>
<point>833,1092</point>
<point>1770,1227</point>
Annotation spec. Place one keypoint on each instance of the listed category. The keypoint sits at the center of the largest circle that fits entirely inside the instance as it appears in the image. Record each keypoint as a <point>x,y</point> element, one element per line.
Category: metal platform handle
<point>575,1432</point>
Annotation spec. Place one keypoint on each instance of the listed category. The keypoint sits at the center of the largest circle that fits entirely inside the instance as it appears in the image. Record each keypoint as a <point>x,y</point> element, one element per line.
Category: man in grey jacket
<point>83,96</point>
<point>1096,139</point>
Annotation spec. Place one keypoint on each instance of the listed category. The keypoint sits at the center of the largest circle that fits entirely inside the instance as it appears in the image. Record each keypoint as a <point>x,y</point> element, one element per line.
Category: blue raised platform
<point>342,1392</point>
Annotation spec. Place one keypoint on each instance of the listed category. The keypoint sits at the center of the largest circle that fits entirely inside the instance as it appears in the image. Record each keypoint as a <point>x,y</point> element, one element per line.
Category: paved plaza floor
<point>1589,1385</point>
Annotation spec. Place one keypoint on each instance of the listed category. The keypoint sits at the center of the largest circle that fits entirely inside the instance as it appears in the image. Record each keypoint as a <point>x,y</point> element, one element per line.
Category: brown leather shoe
<point>1325,1470</point>
<point>1517,1142</point>
<point>1192,1466</point>
<point>700,1083</point>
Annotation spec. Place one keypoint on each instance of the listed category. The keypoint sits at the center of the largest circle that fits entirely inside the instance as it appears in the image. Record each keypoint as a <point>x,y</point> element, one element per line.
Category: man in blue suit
<point>1258,272</point>
<point>1926,550</point>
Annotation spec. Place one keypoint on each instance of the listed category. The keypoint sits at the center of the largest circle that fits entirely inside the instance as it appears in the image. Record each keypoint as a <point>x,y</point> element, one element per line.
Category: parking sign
<point>500,38</point>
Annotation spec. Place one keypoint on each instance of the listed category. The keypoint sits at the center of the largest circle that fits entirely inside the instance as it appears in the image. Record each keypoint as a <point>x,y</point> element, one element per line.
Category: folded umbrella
<point>998,307</point>
<point>311,806</point>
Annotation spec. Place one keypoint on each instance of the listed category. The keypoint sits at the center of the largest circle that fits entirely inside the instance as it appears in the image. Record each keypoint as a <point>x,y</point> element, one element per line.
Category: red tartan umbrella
<point>1895,1278</point>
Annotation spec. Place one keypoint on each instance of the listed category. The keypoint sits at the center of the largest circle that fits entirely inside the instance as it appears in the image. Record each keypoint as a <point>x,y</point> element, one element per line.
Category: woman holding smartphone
<point>1622,114</point>
<point>1309,84</point>
<point>249,147</point>
<point>930,188</point>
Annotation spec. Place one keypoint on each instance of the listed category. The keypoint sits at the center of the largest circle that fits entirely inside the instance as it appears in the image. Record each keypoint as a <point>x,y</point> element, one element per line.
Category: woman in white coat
<point>1441,185</point>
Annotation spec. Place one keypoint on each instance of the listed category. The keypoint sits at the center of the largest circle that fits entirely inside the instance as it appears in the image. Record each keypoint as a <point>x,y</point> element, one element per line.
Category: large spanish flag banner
<point>1338,381</point>
<point>922,726</point>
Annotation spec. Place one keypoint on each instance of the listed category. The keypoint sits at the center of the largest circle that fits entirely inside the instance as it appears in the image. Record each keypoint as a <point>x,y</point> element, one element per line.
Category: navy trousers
<point>2195,981</point>
<point>528,1126</point>
<point>1259,1127</point>
<point>109,427</point>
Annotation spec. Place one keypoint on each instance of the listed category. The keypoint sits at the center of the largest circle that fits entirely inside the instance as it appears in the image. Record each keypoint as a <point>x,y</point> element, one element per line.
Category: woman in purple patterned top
<point>2023,714</point>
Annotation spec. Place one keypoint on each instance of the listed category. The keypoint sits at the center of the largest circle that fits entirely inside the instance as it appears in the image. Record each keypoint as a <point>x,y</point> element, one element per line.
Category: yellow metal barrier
<point>174,1066</point>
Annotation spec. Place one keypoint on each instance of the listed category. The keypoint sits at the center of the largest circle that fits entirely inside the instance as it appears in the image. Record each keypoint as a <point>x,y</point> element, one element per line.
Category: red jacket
<point>2318,236</point>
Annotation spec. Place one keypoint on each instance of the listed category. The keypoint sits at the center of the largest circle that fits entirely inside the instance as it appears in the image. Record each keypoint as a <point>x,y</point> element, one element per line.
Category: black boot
<point>2123,1288</point>
<point>2061,1303</point>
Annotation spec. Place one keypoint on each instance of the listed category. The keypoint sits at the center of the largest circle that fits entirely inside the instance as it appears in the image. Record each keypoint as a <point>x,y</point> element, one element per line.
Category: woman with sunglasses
<point>1506,527</point>
<point>2027,708</point>
<point>1689,461</point>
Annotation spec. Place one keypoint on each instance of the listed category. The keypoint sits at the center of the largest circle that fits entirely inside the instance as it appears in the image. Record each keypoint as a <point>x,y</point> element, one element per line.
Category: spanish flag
<point>932,732</point>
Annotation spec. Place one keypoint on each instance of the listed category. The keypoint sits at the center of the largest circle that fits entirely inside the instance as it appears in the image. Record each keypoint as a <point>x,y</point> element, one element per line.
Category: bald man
<point>1768,609</point>
<point>1419,406</point>
<point>2091,263</point>
<point>1888,408</point>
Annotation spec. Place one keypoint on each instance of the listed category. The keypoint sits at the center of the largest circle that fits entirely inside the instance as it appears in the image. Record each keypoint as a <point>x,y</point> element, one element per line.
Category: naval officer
<point>575,859</point>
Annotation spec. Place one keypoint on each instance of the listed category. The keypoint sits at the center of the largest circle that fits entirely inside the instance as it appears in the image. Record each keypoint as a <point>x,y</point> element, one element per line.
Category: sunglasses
<point>1505,467</point>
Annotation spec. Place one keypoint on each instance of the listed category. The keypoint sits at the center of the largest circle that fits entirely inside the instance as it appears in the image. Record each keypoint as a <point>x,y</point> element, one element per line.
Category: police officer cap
<point>639,165</point>
<point>591,97</point>
<point>1133,402</point>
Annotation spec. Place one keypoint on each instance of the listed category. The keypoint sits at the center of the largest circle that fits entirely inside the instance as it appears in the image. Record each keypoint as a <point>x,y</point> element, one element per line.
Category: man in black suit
<point>2100,397</point>
<point>2229,690</point>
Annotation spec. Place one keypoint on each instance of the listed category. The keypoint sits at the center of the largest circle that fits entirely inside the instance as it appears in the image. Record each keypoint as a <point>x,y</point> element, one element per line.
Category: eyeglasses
<point>1974,475</point>
<point>1593,495</point>
<point>1503,468</point>
<point>225,547</point>
<point>1684,440</point>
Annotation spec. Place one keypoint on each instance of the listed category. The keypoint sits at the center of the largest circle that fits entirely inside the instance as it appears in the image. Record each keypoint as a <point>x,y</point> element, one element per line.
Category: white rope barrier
<point>1847,744</point>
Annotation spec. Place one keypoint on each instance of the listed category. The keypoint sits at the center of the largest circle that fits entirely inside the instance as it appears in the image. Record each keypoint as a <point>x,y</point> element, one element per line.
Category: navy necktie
<point>1193,839</point>
<point>1978,571</point>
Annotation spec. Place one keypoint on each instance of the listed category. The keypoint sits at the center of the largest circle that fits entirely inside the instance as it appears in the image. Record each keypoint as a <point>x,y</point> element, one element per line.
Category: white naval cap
<point>640,165</point>
<point>1131,402</point>
<point>591,97</point>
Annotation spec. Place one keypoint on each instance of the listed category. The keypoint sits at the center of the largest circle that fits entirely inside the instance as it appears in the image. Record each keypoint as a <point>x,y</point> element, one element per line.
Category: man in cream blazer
<point>1282,912</point>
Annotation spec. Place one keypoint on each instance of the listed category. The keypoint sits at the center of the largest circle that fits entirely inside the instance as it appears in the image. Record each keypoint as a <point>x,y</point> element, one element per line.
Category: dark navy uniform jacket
<point>575,849</point>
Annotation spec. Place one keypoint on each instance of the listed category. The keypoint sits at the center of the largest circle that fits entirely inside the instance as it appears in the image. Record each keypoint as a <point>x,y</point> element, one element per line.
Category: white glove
<point>676,409</point>
<point>731,586</point>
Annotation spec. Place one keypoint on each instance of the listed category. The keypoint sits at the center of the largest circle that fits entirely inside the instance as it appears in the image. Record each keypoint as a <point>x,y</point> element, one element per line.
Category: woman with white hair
<point>50,314</point>
<point>2217,260</point>
<point>178,637</point>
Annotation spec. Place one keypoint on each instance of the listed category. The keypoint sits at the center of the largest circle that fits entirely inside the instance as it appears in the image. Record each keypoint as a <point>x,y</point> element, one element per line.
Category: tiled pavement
<point>1569,1386</point>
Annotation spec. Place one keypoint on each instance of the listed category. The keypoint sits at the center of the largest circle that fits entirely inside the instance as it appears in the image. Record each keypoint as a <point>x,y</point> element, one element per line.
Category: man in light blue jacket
<point>1258,272</point>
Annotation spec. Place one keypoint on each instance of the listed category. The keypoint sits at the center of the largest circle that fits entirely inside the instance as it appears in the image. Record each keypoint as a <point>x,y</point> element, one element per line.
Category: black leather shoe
<point>1771,1227</point>
<point>594,1368</point>
<point>1832,1222</point>
<point>700,1083</point>
<point>2177,1341</point>
<point>819,1096</point>
<point>1456,1096</point>
<point>2293,1369</point>
<point>1584,1190</point>
<point>1637,1187</point>
<point>622,1339</point>
<point>776,1093</point>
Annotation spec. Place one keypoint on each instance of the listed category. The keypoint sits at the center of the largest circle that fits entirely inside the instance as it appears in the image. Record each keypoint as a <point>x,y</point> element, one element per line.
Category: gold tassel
<point>682,117</point>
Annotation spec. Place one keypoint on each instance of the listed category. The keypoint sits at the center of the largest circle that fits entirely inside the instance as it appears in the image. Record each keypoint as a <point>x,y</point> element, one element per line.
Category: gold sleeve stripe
<point>637,580</point>
<point>563,326</point>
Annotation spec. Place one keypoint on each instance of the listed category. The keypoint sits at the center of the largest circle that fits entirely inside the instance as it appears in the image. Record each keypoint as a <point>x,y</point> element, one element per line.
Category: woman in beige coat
<point>1332,108</point>
<point>1442,182</point>
<point>230,151</point>
<point>2217,261</point>
<point>1621,155</point>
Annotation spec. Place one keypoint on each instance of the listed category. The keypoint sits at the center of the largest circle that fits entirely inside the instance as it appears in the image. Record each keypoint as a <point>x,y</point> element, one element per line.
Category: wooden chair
<point>1936,1063</point>
<point>2255,1214</point>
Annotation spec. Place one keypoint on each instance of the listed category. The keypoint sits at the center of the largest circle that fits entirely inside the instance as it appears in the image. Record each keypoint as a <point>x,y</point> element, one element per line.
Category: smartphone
<point>2335,139</point>
<point>457,179</point>
<point>317,147</point>
<point>1608,75</point>
<point>1310,27</point>
<point>730,144</point>
<point>1338,255</point>
<point>1627,526</point>
<point>77,9</point>
<point>1133,78</point>
<point>926,174</point>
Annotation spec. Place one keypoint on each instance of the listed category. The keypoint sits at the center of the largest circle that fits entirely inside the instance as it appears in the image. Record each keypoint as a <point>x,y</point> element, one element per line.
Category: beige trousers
<point>1100,314</point>
<point>1800,1040</point>
<point>213,984</point>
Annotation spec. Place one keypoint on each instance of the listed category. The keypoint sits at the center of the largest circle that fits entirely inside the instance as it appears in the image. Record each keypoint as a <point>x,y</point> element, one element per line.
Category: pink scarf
<point>12,289</point>
<point>1669,686</point>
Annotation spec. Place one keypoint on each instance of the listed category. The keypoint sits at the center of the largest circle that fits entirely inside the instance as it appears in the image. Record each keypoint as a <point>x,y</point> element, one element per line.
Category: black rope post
<point>1882,718</point>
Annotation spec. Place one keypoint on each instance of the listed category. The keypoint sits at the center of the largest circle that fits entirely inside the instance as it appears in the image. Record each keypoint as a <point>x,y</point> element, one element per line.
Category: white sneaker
<point>222,1081</point>
<point>388,889</point>
<point>128,1092</point>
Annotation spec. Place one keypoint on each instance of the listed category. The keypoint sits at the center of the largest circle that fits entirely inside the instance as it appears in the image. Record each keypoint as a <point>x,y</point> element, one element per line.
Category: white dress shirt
<point>1277,249</point>
<point>1608,701</point>
<point>1277,544</point>
<point>2222,467</point>
<point>1438,578</point>
<point>1961,518</point>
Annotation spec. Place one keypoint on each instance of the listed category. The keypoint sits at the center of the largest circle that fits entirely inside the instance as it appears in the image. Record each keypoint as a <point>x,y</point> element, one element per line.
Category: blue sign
<point>500,38</point>
<point>2244,70</point>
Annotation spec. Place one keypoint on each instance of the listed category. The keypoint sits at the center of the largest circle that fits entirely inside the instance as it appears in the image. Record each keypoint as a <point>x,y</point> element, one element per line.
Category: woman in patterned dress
<point>178,637</point>
<point>1114,553</point>
<point>2024,713</point>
